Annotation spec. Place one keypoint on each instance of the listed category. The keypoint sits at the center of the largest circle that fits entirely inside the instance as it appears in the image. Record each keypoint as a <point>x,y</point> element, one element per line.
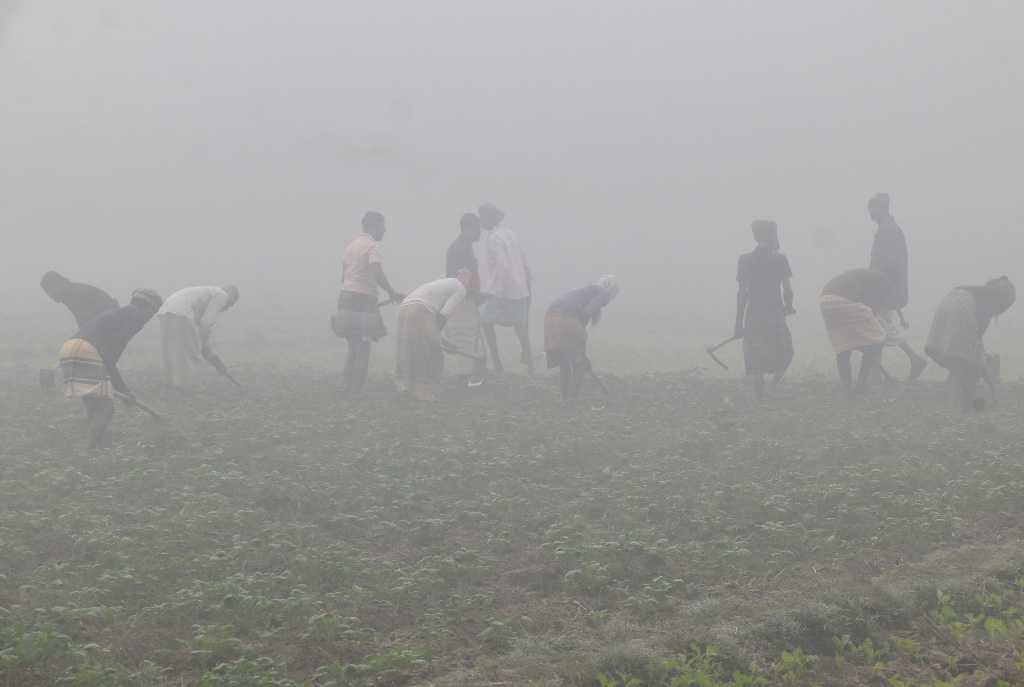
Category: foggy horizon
<point>192,143</point>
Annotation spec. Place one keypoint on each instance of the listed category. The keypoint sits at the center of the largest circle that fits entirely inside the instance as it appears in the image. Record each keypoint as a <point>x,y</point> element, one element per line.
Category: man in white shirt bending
<point>185,322</point>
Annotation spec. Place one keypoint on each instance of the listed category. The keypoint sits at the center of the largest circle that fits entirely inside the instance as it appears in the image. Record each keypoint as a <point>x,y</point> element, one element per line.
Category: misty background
<point>182,143</point>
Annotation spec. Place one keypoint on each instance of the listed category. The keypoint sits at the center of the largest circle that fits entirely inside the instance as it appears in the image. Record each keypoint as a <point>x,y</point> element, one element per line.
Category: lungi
<point>953,340</point>
<point>358,317</point>
<point>180,349</point>
<point>505,312</point>
<point>850,325</point>
<point>893,333</point>
<point>83,371</point>
<point>419,360</point>
<point>767,343</point>
<point>463,330</point>
<point>565,338</point>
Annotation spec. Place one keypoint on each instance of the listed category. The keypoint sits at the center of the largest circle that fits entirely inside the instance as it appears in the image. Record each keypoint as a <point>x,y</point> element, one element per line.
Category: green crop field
<point>671,533</point>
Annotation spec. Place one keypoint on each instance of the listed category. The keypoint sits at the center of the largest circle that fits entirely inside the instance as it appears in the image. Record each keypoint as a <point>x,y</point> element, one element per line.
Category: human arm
<point>453,301</point>
<point>592,310</point>
<point>110,352</point>
<point>787,298</point>
<point>742,297</point>
<point>903,321</point>
<point>213,310</point>
<point>382,281</point>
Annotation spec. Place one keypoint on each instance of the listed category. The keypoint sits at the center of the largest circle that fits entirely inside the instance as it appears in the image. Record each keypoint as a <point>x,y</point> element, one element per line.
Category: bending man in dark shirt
<point>848,304</point>
<point>889,255</point>
<point>88,360</point>
<point>764,300</point>
<point>85,302</point>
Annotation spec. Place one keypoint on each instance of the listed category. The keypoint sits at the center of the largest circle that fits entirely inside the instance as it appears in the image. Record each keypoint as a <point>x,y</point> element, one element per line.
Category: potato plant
<point>670,534</point>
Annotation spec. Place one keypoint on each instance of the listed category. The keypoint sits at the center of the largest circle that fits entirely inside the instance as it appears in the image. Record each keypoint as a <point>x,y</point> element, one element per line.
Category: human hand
<point>904,323</point>
<point>396,296</point>
<point>441,321</point>
<point>790,310</point>
<point>738,333</point>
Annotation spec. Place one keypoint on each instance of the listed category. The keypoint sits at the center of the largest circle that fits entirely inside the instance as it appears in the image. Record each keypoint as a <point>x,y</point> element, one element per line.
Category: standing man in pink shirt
<point>358,319</point>
<point>509,286</point>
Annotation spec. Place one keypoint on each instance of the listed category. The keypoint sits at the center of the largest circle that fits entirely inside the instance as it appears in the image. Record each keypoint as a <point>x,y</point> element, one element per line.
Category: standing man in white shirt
<point>509,286</point>
<point>185,321</point>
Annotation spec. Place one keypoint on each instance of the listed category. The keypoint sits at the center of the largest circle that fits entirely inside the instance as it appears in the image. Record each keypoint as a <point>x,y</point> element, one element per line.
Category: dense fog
<point>180,143</point>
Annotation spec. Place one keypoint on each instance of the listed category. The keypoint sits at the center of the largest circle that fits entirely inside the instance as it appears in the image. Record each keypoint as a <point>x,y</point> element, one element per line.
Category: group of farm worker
<point>860,307</point>
<point>453,315</point>
<point>88,360</point>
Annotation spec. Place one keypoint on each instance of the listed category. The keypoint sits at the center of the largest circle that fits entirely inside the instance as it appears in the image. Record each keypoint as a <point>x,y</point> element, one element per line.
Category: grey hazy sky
<point>169,144</point>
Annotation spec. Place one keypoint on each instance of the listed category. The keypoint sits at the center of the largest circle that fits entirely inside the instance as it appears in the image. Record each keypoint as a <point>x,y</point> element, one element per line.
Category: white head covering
<point>232,291</point>
<point>610,284</point>
<point>148,296</point>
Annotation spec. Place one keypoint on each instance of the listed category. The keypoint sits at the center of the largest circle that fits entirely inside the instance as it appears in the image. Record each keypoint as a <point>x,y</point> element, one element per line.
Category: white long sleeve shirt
<point>507,265</point>
<point>200,304</point>
<point>440,296</point>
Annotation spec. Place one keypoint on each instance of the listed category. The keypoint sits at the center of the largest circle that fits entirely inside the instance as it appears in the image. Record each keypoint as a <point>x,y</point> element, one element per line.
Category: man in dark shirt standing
<point>764,300</point>
<point>85,302</point>
<point>848,304</point>
<point>463,328</point>
<point>889,255</point>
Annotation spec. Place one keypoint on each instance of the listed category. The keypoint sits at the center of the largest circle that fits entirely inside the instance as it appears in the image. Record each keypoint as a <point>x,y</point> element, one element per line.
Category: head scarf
<point>610,284</point>
<point>766,232</point>
<point>1004,294</point>
<point>469,279</point>
<point>51,280</point>
<point>149,297</point>
<point>490,210</point>
<point>232,291</point>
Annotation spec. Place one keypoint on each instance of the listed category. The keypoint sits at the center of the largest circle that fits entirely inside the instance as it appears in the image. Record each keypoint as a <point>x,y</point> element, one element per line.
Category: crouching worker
<point>88,361</point>
<point>954,341</point>
<point>419,360</point>
<point>185,322</point>
<point>565,331</point>
<point>848,304</point>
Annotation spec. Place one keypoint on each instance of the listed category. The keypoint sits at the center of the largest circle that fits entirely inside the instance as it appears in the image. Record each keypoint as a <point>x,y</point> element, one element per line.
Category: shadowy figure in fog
<point>463,328</point>
<point>419,360</point>
<point>185,322</point>
<point>848,304</point>
<point>88,360</point>
<point>764,300</point>
<point>509,286</point>
<point>889,254</point>
<point>565,331</point>
<point>358,319</point>
<point>955,338</point>
<point>84,301</point>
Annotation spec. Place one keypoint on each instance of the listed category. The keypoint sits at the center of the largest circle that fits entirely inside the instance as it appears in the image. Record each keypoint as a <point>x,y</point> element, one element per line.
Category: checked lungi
<point>419,360</point>
<point>565,337</point>
<point>953,340</point>
<point>505,312</point>
<point>767,343</point>
<point>463,330</point>
<point>358,317</point>
<point>850,324</point>
<point>83,371</point>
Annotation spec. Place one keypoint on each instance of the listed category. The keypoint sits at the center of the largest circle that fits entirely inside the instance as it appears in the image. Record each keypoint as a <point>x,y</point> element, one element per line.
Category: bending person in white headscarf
<point>185,322</point>
<point>565,331</point>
